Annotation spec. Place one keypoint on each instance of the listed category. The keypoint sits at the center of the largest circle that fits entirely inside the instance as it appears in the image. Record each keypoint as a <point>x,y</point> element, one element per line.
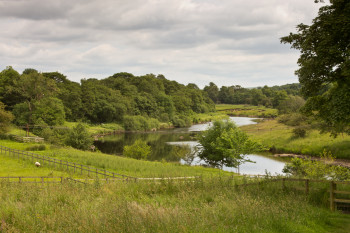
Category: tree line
<point>285,98</point>
<point>49,98</point>
<point>136,102</point>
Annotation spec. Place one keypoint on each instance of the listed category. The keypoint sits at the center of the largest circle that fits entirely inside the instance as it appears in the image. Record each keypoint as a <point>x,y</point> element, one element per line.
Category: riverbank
<point>279,138</point>
<point>337,162</point>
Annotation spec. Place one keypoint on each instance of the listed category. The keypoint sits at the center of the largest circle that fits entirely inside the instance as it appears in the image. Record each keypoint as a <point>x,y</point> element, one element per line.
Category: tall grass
<point>280,138</point>
<point>211,205</point>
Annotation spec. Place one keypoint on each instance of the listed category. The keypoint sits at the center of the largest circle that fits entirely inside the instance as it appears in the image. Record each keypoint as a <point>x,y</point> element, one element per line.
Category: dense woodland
<point>50,98</point>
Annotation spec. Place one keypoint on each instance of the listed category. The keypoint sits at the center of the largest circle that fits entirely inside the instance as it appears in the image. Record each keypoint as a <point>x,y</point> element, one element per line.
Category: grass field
<point>246,110</point>
<point>280,137</point>
<point>211,205</point>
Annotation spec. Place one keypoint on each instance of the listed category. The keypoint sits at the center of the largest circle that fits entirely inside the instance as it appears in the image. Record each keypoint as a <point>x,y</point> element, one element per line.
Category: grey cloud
<point>196,40</point>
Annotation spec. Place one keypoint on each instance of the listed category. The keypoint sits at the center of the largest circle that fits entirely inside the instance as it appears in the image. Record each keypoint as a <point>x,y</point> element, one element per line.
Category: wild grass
<point>280,138</point>
<point>246,110</point>
<point>118,164</point>
<point>14,167</point>
<point>210,205</point>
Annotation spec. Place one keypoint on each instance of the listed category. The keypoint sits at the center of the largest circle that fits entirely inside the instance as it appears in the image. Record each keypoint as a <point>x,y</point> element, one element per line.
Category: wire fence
<point>57,163</point>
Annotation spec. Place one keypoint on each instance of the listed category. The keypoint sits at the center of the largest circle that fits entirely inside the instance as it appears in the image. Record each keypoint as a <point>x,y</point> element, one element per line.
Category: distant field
<point>280,137</point>
<point>246,110</point>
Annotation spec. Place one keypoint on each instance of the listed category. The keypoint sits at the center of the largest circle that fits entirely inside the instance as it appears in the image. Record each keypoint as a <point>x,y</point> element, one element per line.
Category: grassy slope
<point>126,166</point>
<point>277,135</point>
<point>14,167</point>
<point>212,205</point>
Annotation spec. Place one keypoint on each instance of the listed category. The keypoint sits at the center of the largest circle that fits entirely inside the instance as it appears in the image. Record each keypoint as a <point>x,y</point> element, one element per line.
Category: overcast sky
<point>228,42</point>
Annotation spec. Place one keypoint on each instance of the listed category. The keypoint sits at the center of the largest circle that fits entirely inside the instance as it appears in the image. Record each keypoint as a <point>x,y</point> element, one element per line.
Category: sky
<point>228,42</point>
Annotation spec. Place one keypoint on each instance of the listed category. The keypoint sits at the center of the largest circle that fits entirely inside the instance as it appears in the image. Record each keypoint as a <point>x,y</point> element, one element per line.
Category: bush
<point>138,150</point>
<point>79,138</point>
<point>182,121</point>
<point>140,123</point>
<point>36,148</point>
<point>293,119</point>
<point>299,132</point>
<point>314,169</point>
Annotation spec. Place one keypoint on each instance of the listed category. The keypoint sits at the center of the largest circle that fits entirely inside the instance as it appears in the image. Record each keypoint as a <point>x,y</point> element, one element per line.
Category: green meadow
<point>246,110</point>
<point>280,138</point>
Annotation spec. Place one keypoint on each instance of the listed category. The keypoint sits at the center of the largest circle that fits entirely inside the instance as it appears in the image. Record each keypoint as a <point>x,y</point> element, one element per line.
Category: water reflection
<point>165,146</point>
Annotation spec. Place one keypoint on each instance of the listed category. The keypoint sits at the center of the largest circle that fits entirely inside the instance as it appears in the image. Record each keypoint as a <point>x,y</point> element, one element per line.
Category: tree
<point>79,138</point>
<point>49,110</point>
<point>138,150</point>
<point>5,118</point>
<point>213,92</point>
<point>225,144</point>
<point>324,62</point>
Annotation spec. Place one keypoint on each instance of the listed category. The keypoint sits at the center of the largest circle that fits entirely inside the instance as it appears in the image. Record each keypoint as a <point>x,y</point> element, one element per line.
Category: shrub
<point>140,123</point>
<point>299,132</point>
<point>138,150</point>
<point>79,138</point>
<point>36,148</point>
<point>293,119</point>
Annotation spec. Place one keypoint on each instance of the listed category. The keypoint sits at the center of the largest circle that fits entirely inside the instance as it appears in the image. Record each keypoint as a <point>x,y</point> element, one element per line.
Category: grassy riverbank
<point>211,205</point>
<point>246,110</point>
<point>280,138</point>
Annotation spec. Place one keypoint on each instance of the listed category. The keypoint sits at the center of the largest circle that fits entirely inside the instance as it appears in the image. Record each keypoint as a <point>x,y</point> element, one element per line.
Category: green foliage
<point>133,123</point>
<point>324,62</point>
<point>291,105</point>
<point>79,138</point>
<point>49,110</point>
<point>5,119</point>
<point>299,132</point>
<point>317,169</point>
<point>293,119</point>
<point>36,147</point>
<point>182,121</point>
<point>225,144</point>
<point>138,150</point>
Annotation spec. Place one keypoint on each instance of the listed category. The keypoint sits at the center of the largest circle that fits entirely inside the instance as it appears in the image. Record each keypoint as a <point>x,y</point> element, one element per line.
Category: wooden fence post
<point>307,186</point>
<point>333,187</point>
<point>283,183</point>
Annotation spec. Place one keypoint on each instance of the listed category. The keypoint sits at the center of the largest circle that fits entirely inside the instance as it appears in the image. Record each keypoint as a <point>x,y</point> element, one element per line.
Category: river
<point>165,147</point>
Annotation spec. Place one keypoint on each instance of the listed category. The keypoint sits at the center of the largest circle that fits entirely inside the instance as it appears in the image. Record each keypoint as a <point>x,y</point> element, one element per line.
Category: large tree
<point>324,62</point>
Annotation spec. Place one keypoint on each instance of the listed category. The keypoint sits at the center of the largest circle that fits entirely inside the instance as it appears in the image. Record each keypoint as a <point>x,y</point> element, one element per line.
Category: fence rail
<point>76,167</point>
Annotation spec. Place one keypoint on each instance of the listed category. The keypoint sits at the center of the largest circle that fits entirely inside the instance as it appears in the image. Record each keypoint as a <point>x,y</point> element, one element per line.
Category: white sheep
<point>37,164</point>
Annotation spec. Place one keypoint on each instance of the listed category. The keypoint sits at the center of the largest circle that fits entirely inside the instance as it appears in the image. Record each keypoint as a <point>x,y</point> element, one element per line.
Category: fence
<point>32,179</point>
<point>75,167</point>
<point>333,191</point>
